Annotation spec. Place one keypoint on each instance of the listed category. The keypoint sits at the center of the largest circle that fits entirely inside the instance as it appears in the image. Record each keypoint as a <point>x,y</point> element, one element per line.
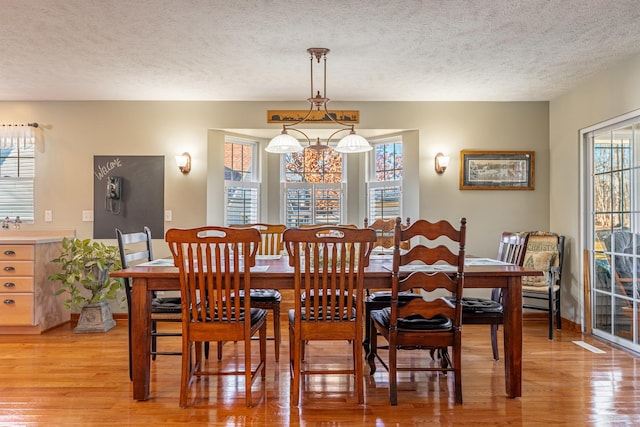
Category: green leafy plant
<point>85,265</point>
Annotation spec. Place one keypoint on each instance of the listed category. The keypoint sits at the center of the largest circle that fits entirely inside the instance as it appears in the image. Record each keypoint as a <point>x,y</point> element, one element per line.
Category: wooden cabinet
<point>28,304</point>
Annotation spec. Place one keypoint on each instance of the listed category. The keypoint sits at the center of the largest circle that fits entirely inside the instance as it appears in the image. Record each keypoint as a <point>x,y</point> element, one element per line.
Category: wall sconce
<point>442,162</point>
<point>184,162</point>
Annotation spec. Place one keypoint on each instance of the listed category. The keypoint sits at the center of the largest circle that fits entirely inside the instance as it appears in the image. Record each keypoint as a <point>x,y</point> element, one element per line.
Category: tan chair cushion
<point>542,253</point>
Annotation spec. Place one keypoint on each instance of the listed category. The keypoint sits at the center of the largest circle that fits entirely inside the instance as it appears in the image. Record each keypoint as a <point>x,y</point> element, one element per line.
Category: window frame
<point>372,183</point>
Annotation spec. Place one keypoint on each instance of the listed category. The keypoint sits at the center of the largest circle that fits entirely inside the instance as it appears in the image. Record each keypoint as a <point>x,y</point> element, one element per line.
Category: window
<point>242,187</point>
<point>384,189</point>
<point>17,172</point>
<point>313,187</point>
<point>613,229</point>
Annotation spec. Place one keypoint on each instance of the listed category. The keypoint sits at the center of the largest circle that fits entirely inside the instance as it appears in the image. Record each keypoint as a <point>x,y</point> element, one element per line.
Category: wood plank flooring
<point>63,379</point>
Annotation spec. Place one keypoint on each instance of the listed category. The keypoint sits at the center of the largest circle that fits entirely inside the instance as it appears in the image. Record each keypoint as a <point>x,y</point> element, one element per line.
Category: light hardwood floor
<point>63,379</point>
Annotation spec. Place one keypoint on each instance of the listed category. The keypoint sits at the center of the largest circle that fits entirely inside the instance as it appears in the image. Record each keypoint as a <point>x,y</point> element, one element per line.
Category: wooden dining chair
<point>215,265</point>
<point>489,311</point>
<point>268,299</point>
<point>385,230</point>
<point>431,322</point>
<point>136,248</point>
<point>326,265</point>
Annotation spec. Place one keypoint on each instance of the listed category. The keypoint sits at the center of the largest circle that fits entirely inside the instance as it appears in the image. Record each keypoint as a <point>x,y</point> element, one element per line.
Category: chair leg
<point>457,356</point>
<point>494,342</point>
<point>393,371</point>
<point>247,370</point>
<point>358,370</point>
<point>276,331</point>
<point>557,307</point>
<point>220,343</point>
<point>373,347</point>
<point>154,329</point>
<point>550,308</point>
<point>295,374</point>
<point>367,328</point>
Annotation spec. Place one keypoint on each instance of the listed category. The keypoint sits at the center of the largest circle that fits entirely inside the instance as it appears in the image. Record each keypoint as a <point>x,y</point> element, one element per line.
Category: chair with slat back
<point>489,311</point>
<point>329,265</point>
<point>136,248</point>
<point>268,299</point>
<point>423,323</point>
<point>215,266</point>
<point>385,230</point>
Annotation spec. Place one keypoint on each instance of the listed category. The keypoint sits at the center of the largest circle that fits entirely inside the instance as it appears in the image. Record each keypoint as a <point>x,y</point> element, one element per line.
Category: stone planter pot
<point>95,318</point>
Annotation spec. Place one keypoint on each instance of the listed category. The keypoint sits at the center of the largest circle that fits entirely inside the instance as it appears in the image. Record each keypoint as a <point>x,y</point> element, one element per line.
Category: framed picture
<point>497,170</point>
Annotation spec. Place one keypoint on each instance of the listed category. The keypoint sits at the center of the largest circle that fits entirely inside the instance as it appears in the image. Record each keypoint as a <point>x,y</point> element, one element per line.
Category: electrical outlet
<point>168,216</point>
<point>87,216</point>
<point>48,216</point>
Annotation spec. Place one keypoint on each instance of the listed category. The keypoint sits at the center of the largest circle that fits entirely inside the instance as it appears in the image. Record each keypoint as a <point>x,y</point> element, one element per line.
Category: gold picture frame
<point>497,170</point>
<point>291,116</point>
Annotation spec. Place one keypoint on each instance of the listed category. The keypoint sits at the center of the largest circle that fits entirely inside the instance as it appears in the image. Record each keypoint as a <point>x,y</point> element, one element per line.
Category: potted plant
<point>84,276</point>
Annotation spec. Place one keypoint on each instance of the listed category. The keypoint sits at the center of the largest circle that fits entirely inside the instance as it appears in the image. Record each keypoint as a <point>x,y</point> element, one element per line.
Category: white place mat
<point>268,257</point>
<point>165,262</point>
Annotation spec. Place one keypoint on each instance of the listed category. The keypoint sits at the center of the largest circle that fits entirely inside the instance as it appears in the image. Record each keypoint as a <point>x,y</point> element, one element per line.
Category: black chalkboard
<point>128,193</point>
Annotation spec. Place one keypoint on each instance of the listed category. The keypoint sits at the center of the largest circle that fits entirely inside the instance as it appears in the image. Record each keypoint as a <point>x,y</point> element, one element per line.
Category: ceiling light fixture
<point>285,143</point>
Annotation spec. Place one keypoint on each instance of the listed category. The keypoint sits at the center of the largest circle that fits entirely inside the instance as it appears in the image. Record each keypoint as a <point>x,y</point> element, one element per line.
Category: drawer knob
<point>9,252</point>
<point>9,285</point>
<point>9,301</point>
<point>9,268</point>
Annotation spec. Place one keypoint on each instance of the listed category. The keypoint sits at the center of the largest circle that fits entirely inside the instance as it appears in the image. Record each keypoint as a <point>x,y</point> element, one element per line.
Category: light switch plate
<point>48,216</point>
<point>168,215</point>
<point>87,216</point>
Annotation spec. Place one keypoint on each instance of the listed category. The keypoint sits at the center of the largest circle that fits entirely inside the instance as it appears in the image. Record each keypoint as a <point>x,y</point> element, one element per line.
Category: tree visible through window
<point>313,187</point>
<point>241,182</point>
<point>385,182</point>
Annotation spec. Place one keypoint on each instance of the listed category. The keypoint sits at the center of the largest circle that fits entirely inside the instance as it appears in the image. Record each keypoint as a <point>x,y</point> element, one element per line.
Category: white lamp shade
<point>353,143</point>
<point>444,161</point>
<point>181,160</point>
<point>283,143</point>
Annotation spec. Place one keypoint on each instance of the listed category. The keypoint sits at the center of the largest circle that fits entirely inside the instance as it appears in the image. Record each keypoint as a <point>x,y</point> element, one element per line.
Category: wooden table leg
<point>512,301</point>
<point>140,332</point>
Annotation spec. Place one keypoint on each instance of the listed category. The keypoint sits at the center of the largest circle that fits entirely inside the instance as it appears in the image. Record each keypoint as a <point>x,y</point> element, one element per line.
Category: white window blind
<point>384,200</point>
<point>17,172</point>
<point>307,203</point>
<point>241,203</point>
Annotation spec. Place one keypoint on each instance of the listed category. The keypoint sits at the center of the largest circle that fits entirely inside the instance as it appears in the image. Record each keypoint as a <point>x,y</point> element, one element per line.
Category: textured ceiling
<point>477,50</point>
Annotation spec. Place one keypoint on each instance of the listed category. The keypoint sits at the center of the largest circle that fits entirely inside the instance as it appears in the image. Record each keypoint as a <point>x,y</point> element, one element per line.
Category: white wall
<point>609,94</point>
<point>73,132</point>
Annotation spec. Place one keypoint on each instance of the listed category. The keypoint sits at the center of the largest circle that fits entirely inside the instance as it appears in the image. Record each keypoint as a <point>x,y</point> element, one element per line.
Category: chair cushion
<point>480,305</point>
<point>264,295</point>
<point>166,305</point>
<point>383,296</point>
<point>414,322</point>
<point>541,254</point>
<point>256,314</point>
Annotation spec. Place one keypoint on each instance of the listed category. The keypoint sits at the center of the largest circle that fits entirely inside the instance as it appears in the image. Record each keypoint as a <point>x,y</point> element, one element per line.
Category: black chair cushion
<point>256,314</point>
<point>166,305</point>
<point>480,305</point>
<point>263,295</point>
<point>384,296</point>
<point>412,323</point>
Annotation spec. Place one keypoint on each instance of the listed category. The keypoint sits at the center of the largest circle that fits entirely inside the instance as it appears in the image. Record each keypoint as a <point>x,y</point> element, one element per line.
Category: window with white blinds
<point>384,187</point>
<point>17,172</point>
<point>313,188</point>
<point>242,188</point>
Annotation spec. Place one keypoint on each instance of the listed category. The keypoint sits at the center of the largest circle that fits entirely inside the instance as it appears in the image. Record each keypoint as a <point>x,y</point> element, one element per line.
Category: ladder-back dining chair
<point>135,248</point>
<point>385,231</point>
<point>329,264</point>
<point>431,322</point>
<point>215,265</point>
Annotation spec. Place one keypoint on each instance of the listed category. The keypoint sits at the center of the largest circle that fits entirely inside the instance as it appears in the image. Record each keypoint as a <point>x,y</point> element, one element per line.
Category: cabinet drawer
<point>16,268</point>
<point>21,252</point>
<point>16,284</point>
<point>16,309</point>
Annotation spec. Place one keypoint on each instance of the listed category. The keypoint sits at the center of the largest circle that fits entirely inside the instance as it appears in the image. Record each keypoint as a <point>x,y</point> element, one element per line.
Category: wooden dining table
<point>277,274</point>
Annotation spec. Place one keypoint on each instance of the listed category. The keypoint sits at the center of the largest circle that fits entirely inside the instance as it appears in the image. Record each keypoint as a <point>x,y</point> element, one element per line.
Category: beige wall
<point>73,132</point>
<point>611,93</point>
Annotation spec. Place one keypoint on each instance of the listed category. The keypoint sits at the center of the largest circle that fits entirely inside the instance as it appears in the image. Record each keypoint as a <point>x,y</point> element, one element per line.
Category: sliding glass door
<point>613,229</point>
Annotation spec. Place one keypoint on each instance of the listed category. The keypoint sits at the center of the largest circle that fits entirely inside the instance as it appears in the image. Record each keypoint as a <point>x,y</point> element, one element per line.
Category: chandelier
<point>350,143</point>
